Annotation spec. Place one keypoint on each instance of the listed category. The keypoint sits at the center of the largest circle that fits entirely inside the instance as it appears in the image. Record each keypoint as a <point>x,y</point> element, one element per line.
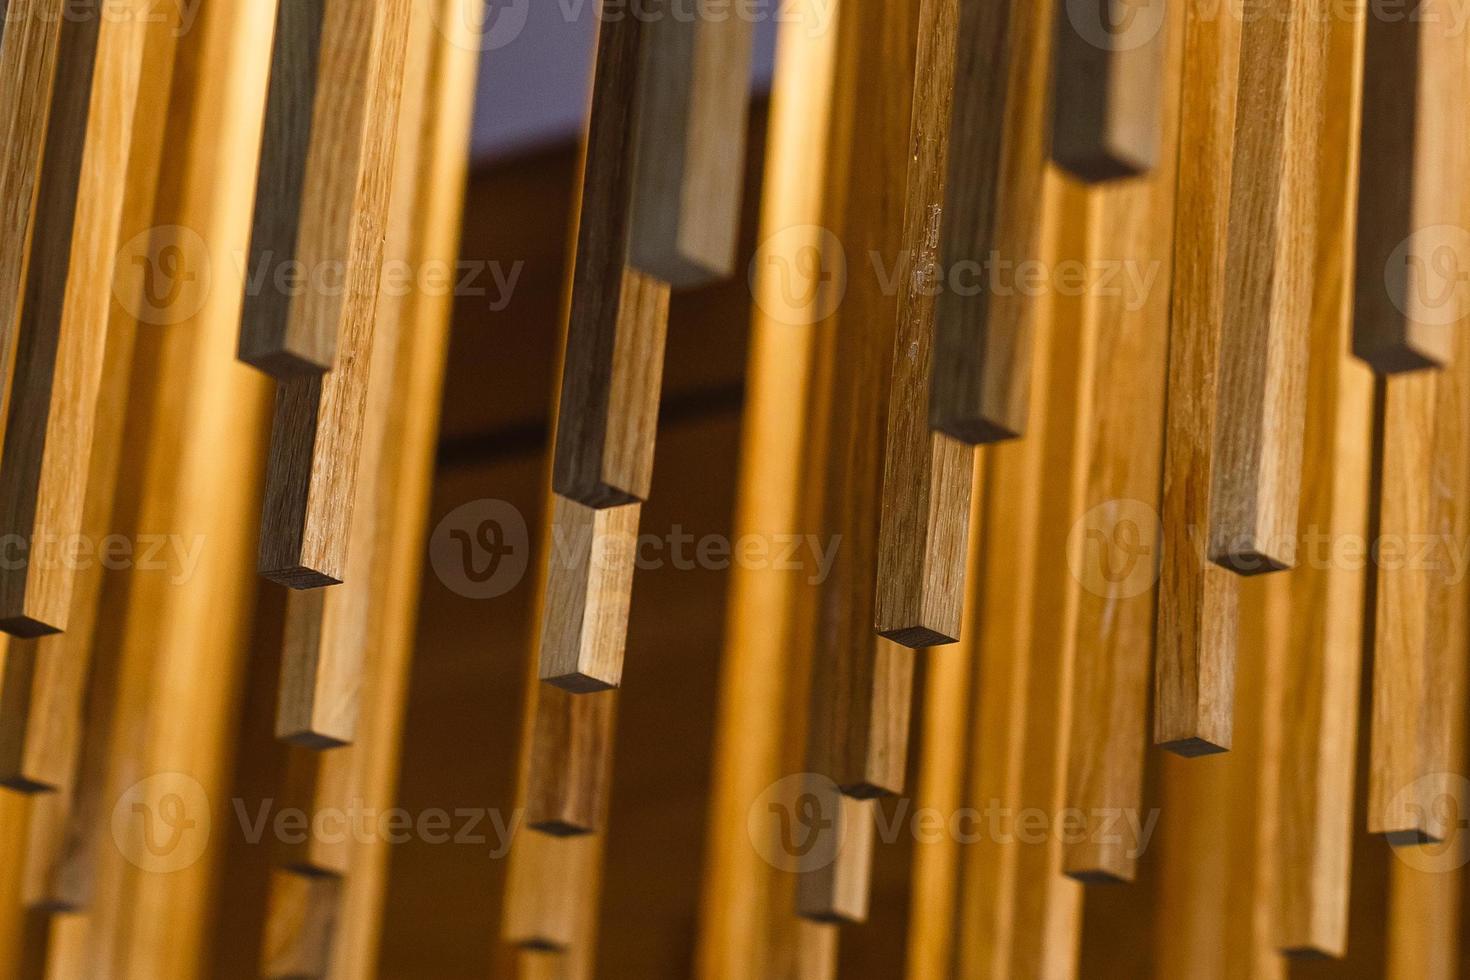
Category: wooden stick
<point>1410,293</point>
<point>1262,382</point>
<point>982,340</point>
<point>1109,62</point>
<point>1321,675</point>
<point>1115,622</point>
<point>1194,665</point>
<point>838,891</point>
<point>613,366</point>
<point>925,508</point>
<point>301,926</point>
<point>63,326</point>
<point>319,782</point>
<point>571,762</point>
<point>692,107</point>
<point>589,587</point>
<point>321,196</point>
<point>317,431</point>
<point>1421,594</point>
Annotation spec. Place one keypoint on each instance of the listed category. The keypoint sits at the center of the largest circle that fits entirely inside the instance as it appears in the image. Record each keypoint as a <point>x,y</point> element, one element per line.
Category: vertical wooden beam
<point>589,588</point>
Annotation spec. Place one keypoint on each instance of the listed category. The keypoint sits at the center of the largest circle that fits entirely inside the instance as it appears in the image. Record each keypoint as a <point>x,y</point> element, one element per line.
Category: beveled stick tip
<point>577,682</point>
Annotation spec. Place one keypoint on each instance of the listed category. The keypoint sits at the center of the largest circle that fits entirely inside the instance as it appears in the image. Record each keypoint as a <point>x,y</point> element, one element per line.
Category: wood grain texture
<point>324,786</point>
<point>1116,615</point>
<point>63,320</point>
<point>997,148</point>
<point>927,476</point>
<point>28,51</point>
<point>692,106</point>
<point>1194,657</point>
<point>589,588</point>
<point>1420,622</point>
<point>301,926</point>
<point>322,192</point>
<point>1109,64</point>
<point>1410,282</point>
<point>1262,379</point>
<point>571,762</point>
<point>317,430</point>
<point>1321,677</point>
<point>839,891</point>
<point>618,317</point>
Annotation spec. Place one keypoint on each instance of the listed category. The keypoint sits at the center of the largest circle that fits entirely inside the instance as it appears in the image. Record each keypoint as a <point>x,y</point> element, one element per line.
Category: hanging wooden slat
<point>301,926</point>
<point>28,52</point>
<point>926,475</point>
<point>1116,527</point>
<point>997,144</point>
<point>613,364</point>
<point>63,327</point>
<point>1194,663</point>
<point>839,890</point>
<point>693,102</point>
<point>589,587</point>
<point>1257,453</point>
<point>1422,597</point>
<point>1409,294</point>
<point>571,761</point>
<point>1321,677</point>
<point>317,431</point>
<point>1109,63</point>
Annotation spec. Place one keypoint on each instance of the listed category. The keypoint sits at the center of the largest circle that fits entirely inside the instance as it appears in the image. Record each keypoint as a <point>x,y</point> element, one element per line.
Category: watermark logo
<point>163,275</point>
<point>161,824</point>
<point>1116,25</point>
<point>481,25</point>
<point>1440,803</point>
<point>1427,275</point>
<point>480,549</point>
<point>798,275</point>
<point>1113,549</point>
<point>796,823</point>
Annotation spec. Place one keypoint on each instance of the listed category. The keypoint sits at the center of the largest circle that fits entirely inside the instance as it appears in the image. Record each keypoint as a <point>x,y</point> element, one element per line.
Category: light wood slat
<point>1424,937</point>
<point>1322,676</point>
<point>693,105</point>
<point>746,924</point>
<point>926,475</point>
<point>190,635</point>
<point>28,53</point>
<point>1194,660</point>
<point>321,195</point>
<point>950,678</point>
<point>1004,585</point>
<point>300,927</point>
<point>1116,617</point>
<point>838,891</point>
<point>1219,864</point>
<point>1262,380</point>
<point>1109,64</point>
<point>860,690</point>
<point>1411,253</point>
<point>433,130</point>
<point>1418,646</point>
<point>618,318</point>
<point>571,762</point>
<point>982,341</point>
<point>317,430</point>
<point>317,782</point>
<point>63,322</point>
<point>589,587</point>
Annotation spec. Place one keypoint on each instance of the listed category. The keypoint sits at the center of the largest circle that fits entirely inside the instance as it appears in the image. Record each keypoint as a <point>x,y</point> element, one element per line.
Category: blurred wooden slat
<point>855,737</point>
<point>1410,290</point>
<point>317,430</point>
<point>1322,676</point>
<point>301,927</point>
<point>1109,63</point>
<point>63,322</point>
<point>584,625</point>
<point>571,761</point>
<point>926,475</point>
<point>1116,527</point>
<point>1421,591</point>
<point>982,339</point>
<point>613,364</point>
<point>1262,380</point>
<point>1194,666</point>
<point>692,111</point>
<point>839,890</point>
<point>28,52</point>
